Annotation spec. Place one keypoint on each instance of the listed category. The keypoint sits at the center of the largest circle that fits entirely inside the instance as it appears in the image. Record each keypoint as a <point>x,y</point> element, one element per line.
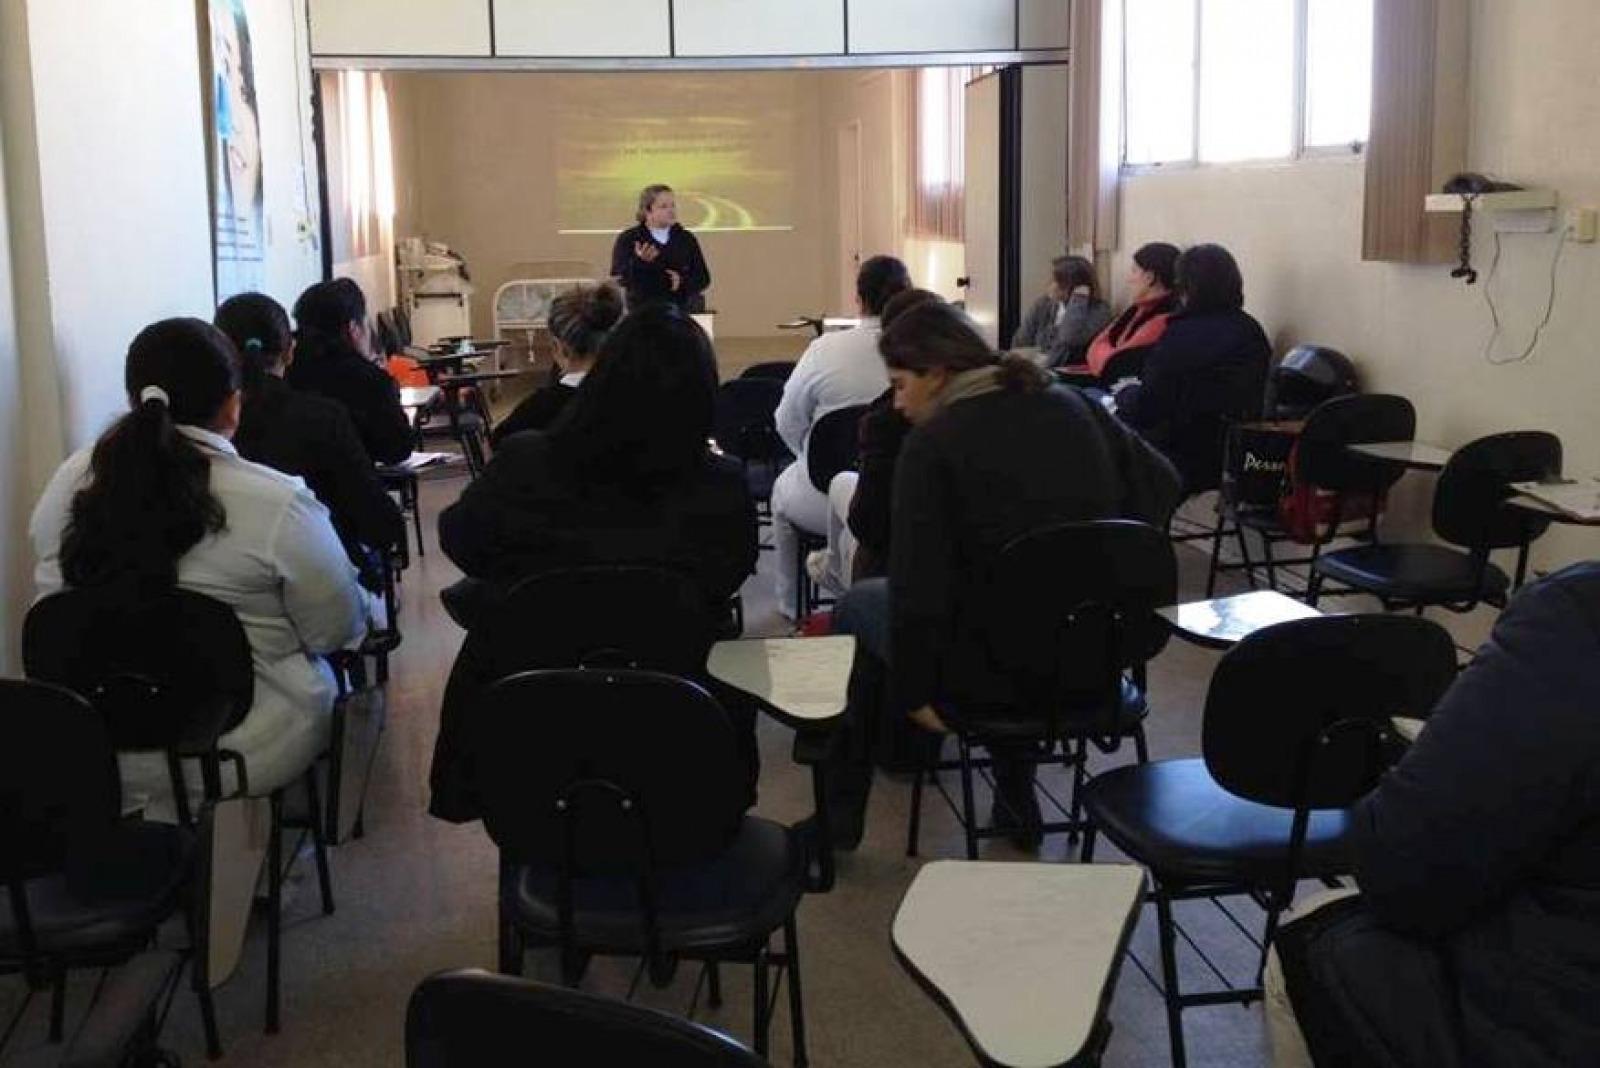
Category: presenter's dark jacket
<point>1480,851</point>
<point>1206,371</point>
<point>311,436</point>
<point>648,282</point>
<point>527,513</point>
<point>367,392</point>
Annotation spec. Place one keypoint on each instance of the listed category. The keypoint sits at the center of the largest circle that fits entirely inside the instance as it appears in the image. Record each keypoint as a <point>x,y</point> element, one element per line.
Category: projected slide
<point>723,142</point>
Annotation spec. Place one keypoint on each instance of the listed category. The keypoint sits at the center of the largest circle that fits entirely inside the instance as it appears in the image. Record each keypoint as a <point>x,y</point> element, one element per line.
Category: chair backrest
<point>744,424</point>
<point>171,671</point>
<point>619,616</point>
<point>779,369</point>
<point>60,794</point>
<point>834,445</point>
<point>1255,464</point>
<point>471,1017</point>
<point>1072,607</point>
<point>1297,712</point>
<point>1324,461</point>
<point>606,772</point>
<point>1468,500</point>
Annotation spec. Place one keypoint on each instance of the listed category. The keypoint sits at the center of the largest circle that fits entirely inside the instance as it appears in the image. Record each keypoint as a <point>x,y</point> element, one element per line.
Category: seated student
<point>579,321</point>
<point>1208,369</point>
<point>163,500</point>
<point>981,467</point>
<point>625,477</point>
<point>1063,321</point>
<point>1151,303</point>
<point>306,435</point>
<point>333,358</point>
<point>837,370</point>
<point>1476,936</point>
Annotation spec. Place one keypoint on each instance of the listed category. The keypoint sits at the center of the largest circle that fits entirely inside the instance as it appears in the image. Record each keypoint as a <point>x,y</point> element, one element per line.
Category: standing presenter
<point>657,259</point>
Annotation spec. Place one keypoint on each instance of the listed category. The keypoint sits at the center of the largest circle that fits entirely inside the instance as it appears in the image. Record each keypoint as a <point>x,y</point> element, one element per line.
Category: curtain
<point>1419,128</point>
<point>1094,133</point>
<point>361,180</point>
<point>936,120</point>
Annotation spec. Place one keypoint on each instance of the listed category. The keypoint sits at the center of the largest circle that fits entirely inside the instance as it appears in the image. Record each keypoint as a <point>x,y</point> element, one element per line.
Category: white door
<point>982,204</point>
<point>849,250</point>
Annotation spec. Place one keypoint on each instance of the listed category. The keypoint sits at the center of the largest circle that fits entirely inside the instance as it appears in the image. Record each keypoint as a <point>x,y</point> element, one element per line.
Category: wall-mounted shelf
<point>1515,200</point>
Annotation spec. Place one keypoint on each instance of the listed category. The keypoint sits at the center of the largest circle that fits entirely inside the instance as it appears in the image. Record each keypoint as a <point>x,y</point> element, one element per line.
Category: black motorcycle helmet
<point>1307,376</point>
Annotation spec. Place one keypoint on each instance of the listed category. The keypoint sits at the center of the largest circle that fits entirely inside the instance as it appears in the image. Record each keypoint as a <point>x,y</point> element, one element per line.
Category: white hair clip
<point>155,393</point>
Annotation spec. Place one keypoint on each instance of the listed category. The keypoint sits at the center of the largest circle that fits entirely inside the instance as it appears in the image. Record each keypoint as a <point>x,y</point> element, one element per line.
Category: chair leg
<point>1216,553</point>
<point>319,842</point>
<point>208,1015</point>
<point>1272,569</point>
<point>1086,851</point>
<point>761,1023</point>
<point>969,814</point>
<point>1141,747</point>
<point>416,517</point>
<point>914,828</point>
<point>1080,766</point>
<point>1314,588</point>
<point>58,1006</point>
<point>797,1018</point>
<point>713,984</point>
<point>1169,975</point>
<point>274,909</point>
<point>1244,555</point>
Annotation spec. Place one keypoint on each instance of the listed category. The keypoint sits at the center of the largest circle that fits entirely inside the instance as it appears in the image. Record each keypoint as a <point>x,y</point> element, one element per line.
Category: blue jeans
<point>864,612</point>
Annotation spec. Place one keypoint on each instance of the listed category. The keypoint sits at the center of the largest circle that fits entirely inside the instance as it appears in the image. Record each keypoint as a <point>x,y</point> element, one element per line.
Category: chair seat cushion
<point>1172,817</point>
<point>731,901</point>
<point>1414,572</point>
<point>136,883</point>
<point>989,722</point>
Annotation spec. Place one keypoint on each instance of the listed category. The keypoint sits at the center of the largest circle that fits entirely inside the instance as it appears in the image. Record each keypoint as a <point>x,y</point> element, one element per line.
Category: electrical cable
<point>1549,305</point>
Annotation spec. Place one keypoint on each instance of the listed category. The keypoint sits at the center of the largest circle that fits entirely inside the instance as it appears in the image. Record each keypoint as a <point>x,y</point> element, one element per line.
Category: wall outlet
<point>1583,224</point>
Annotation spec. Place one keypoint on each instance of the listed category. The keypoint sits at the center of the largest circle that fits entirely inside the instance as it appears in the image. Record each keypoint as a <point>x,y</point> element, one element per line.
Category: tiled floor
<point>416,896</point>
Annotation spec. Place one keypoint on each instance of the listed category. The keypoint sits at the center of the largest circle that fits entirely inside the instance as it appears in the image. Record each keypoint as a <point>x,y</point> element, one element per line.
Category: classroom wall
<point>107,218</point>
<point>1296,229</point>
<point>476,169</point>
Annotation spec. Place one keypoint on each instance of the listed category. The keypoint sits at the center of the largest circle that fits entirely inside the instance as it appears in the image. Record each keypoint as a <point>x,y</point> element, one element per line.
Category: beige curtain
<point>1419,127</point>
<point>1094,136</point>
<point>936,124</point>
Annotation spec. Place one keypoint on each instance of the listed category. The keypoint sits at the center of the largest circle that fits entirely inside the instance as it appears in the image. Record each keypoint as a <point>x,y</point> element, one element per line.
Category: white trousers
<point>796,506</point>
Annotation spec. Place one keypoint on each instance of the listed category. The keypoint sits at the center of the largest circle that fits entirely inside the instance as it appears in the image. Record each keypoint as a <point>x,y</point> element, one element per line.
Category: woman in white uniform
<point>162,499</point>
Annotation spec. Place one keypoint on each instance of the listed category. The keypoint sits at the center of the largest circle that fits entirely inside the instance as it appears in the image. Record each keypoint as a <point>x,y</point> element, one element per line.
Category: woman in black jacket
<point>657,259</point>
<point>1209,369</point>
<point>306,435</point>
<point>982,466</point>
<point>579,321</point>
<point>626,476</point>
<point>333,360</point>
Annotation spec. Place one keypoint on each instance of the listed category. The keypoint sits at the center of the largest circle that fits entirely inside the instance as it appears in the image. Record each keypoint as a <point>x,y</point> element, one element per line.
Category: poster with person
<point>238,216</point>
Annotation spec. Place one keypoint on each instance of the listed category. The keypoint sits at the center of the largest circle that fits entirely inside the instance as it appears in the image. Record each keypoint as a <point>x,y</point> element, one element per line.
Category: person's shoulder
<point>236,475</point>
<point>1572,592</point>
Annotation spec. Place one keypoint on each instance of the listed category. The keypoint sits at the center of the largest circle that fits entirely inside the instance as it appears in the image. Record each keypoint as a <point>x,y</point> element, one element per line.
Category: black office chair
<point>833,446</point>
<point>1070,621</point>
<point>173,673</point>
<point>87,888</point>
<point>1469,512</point>
<point>1357,486</point>
<point>470,1017</point>
<point>744,428</point>
<point>617,800</point>
<point>778,369</point>
<point>1297,729</point>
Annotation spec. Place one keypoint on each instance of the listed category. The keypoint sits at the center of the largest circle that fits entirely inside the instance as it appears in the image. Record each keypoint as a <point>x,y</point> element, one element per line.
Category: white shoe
<point>817,567</point>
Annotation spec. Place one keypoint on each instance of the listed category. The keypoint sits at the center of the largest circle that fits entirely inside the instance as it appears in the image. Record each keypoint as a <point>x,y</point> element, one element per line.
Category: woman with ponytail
<point>304,434</point>
<point>995,452</point>
<point>164,500</point>
<point>580,319</point>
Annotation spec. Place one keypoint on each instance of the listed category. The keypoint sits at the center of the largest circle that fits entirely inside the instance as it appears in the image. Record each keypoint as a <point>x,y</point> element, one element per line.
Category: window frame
<point>1299,150</point>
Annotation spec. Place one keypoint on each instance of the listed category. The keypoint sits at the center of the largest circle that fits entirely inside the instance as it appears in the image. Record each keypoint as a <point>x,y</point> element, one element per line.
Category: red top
<point>1139,325</point>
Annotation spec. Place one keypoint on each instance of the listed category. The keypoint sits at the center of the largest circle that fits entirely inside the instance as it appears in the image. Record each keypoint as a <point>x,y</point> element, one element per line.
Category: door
<point>981,220</point>
<point>849,249</point>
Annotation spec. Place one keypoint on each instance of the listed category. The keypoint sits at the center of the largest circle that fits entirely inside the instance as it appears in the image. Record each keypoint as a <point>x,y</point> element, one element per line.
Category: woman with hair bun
<point>579,321</point>
<point>163,500</point>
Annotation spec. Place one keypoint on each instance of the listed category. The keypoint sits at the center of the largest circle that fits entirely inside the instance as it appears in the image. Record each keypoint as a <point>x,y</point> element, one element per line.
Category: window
<point>1218,81</point>
<point>937,122</point>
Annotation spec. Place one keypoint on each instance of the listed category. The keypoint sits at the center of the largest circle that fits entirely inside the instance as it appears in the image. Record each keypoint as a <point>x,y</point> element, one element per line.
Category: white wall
<point>283,98</point>
<point>13,476</point>
<point>1296,230</point>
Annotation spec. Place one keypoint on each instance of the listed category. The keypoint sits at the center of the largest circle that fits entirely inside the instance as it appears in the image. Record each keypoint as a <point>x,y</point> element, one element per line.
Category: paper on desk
<point>426,459</point>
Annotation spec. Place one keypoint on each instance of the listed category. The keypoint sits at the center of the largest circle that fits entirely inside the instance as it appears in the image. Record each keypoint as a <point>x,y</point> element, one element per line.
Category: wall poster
<point>238,215</point>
